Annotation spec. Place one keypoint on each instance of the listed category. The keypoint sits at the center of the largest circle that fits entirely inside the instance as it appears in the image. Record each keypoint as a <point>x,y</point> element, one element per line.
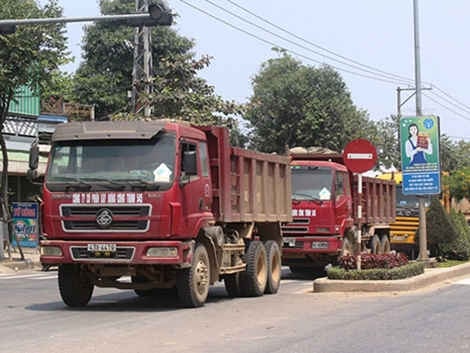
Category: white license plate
<point>320,245</point>
<point>289,241</point>
<point>102,247</point>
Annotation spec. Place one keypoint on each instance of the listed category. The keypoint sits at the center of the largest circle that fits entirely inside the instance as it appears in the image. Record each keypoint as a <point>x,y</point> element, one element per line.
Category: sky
<point>373,34</point>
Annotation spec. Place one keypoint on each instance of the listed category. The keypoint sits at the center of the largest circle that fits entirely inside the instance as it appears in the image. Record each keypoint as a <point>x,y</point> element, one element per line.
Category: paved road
<point>33,319</point>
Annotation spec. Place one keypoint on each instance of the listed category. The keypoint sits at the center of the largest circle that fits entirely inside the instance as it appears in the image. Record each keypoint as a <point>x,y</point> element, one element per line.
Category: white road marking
<point>30,276</point>
<point>465,281</point>
<point>44,277</point>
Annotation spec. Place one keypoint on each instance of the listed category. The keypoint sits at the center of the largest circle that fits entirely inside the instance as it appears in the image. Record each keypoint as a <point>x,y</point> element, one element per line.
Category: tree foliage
<point>105,76</point>
<point>29,56</point>
<point>386,141</point>
<point>298,105</point>
<point>439,228</point>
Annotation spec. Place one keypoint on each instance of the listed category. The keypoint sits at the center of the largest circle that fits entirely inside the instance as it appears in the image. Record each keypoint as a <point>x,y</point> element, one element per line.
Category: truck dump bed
<point>248,186</point>
<point>378,200</point>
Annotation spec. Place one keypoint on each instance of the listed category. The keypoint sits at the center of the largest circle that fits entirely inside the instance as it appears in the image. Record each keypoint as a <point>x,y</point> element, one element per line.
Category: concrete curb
<point>429,277</point>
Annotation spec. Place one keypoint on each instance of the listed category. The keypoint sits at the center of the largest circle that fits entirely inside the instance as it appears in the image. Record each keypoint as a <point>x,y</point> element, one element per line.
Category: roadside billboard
<point>25,223</point>
<point>419,144</point>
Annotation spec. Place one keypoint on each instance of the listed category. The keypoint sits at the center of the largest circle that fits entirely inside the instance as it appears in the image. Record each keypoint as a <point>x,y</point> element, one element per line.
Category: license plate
<point>289,242</point>
<point>320,245</point>
<point>102,247</point>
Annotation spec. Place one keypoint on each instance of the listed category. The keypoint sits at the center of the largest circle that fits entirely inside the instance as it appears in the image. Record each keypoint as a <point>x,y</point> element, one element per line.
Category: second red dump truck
<point>324,210</point>
<point>149,205</point>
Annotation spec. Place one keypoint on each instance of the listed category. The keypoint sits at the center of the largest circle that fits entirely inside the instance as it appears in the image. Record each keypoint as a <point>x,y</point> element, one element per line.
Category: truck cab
<point>321,210</point>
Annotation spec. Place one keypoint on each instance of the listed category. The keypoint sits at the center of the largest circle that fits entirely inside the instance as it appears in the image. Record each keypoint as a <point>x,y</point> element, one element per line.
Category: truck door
<point>195,184</point>
<point>343,205</point>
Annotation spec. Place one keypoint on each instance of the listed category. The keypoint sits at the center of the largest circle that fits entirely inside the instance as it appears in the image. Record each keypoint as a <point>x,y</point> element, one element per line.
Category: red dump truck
<point>159,204</point>
<point>324,210</point>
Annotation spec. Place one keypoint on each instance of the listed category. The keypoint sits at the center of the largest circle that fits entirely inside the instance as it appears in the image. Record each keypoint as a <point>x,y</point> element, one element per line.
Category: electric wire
<point>446,107</point>
<point>450,100</point>
<point>403,78</point>
<point>283,48</point>
<point>343,62</point>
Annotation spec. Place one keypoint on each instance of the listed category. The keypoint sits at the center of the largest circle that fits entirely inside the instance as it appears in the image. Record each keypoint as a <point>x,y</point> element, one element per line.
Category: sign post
<point>359,156</point>
<point>419,141</point>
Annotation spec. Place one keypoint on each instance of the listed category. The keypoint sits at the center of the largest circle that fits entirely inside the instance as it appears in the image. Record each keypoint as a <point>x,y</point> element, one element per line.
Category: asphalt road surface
<point>33,319</point>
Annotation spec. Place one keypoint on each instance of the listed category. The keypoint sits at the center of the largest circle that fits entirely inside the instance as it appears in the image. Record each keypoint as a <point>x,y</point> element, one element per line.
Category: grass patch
<point>409,270</point>
<point>450,263</point>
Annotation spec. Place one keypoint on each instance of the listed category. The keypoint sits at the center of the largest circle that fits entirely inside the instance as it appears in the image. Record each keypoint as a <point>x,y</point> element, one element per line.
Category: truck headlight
<point>51,251</point>
<point>162,252</point>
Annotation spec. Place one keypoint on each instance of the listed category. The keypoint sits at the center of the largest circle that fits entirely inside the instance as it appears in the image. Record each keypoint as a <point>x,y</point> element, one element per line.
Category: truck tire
<point>253,280</point>
<point>385,244</point>
<point>375,246</point>
<point>232,284</point>
<point>273,255</point>
<point>193,283</point>
<point>75,288</point>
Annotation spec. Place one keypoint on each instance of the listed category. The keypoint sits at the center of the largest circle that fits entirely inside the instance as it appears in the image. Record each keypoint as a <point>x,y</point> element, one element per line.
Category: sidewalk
<point>31,261</point>
<point>429,277</point>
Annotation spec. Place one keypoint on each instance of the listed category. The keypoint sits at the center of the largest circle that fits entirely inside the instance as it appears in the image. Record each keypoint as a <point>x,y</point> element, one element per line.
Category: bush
<point>409,270</point>
<point>373,261</point>
<point>439,228</point>
<point>458,249</point>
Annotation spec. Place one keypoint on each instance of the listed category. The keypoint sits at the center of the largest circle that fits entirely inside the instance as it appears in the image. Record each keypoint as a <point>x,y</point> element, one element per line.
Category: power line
<point>283,48</point>
<point>451,100</point>
<point>403,78</point>
<point>449,96</point>
<point>359,66</point>
<point>446,107</point>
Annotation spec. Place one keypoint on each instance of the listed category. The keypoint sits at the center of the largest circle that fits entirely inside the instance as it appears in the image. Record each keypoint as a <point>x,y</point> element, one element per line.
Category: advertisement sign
<point>419,143</point>
<point>25,223</point>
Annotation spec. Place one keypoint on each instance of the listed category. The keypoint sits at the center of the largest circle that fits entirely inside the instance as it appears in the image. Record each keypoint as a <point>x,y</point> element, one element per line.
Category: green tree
<point>27,57</point>
<point>298,105</point>
<point>439,228</point>
<point>105,76</point>
<point>459,183</point>
<point>386,141</point>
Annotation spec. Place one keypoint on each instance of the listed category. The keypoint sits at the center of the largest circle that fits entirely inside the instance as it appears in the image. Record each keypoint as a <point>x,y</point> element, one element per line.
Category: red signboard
<point>360,156</point>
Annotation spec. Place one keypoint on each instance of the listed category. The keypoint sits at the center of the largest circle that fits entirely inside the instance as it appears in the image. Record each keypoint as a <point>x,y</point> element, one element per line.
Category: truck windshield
<point>311,183</point>
<point>119,164</point>
<point>408,201</point>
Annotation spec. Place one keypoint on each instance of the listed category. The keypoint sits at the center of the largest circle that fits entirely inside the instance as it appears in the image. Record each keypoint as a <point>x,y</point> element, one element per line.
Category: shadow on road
<point>128,301</point>
<point>307,274</point>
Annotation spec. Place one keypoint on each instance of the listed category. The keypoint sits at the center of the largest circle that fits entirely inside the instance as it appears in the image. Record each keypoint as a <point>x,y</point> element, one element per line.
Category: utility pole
<point>143,65</point>
<point>423,239</point>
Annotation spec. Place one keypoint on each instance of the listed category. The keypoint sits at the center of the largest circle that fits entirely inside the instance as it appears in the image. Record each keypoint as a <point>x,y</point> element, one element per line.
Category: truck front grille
<point>125,218</point>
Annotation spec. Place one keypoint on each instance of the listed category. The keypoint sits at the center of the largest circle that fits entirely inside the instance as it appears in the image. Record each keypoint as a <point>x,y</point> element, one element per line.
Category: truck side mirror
<point>34,155</point>
<point>32,173</point>
<point>189,166</point>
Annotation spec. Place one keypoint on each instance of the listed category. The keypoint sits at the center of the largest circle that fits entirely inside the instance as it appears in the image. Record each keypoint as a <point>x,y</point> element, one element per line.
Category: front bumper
<point>127,252</point>
<point>311,245</point>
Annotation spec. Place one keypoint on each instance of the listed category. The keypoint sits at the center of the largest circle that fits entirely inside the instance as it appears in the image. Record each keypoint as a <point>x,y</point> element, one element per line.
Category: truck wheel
<point>273,255</point>
<point>193,283</point>
<point>346,248</point>
<point>74,286</point>
<point>253,279</point>
<point>385,245</point>
<point>375,246</point>
<point>232,284</point>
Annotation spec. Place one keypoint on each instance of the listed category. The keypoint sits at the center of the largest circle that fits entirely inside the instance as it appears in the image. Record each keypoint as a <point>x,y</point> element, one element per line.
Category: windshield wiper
<point>72,182</point>
<point>136,183</point>
<point>305,197</point>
